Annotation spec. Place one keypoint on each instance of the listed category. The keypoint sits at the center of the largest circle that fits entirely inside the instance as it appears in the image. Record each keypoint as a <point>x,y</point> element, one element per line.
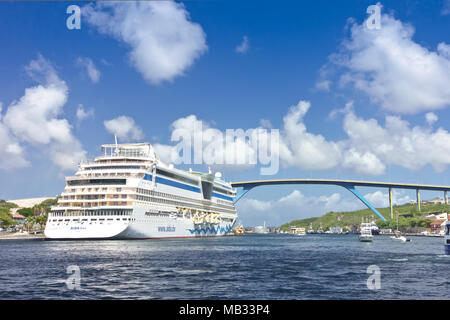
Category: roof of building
<point>16,215</point>
<point>439,221</point>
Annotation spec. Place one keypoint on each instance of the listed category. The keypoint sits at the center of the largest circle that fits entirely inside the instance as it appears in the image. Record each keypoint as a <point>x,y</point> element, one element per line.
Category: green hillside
<point>408,218</point>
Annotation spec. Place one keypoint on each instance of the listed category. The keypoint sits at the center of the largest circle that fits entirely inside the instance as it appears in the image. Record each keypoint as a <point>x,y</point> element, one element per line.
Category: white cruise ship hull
<point>138,226</point>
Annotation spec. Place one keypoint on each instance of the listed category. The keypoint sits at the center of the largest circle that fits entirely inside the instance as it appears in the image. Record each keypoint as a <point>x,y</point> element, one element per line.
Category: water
<point>249,267</point>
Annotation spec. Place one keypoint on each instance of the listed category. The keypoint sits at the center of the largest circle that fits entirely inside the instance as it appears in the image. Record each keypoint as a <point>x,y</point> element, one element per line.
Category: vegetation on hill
<point>408,218</point>
<point>36,214</point>
<point>5,217</point>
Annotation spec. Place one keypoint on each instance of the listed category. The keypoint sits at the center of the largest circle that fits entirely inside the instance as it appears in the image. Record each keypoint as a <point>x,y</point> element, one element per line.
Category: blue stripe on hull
<point>218,195</point>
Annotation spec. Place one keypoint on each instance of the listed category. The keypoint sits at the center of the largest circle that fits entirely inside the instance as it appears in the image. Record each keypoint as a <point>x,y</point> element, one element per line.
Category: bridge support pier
<point>352,189</point>
<point>391,211</point>
<point>418,199</point>
<point>445,197</point>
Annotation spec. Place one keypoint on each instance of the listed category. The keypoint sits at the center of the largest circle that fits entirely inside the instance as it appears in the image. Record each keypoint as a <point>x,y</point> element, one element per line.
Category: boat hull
<point>138,226</point>
<point>365,238</point>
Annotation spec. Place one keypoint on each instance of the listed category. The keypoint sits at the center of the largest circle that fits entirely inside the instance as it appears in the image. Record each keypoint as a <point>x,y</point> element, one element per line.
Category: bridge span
<point>349,185</point>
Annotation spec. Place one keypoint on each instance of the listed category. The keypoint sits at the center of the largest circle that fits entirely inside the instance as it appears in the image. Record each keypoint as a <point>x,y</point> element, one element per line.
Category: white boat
<point>374,228</point>
<point>365,233</point>
<point>398,236</point>
<point>128,193</point>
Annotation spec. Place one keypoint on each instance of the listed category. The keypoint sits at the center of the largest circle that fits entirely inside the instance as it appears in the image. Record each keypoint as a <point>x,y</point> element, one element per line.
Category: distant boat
<point>298,231</point>
<point>320,229</point>
<point>397,235</point>
<point>366,233</point>
<point>239,231</point>
<point>311,230</point>
<point>374,228</point>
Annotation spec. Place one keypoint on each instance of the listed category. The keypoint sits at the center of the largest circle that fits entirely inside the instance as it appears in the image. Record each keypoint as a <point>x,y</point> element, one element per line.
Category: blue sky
<point>371,105</point>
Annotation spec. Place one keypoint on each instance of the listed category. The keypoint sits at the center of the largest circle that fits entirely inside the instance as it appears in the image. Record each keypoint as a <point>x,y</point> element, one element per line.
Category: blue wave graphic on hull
<point>211,230</point>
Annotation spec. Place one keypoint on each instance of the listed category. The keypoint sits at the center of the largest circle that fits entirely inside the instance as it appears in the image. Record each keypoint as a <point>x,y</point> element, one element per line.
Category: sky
<point>349,100</point>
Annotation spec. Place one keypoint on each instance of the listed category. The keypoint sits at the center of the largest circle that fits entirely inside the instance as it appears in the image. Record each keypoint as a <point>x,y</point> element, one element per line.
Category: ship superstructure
<point>128,193</point>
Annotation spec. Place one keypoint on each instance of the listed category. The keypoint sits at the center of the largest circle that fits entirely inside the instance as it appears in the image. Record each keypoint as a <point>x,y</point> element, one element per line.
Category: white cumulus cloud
<point>84,114</point>
<point>164,42</point>
<point>125,128</point>
<point>392,69</point>
<point>431,118</point>
<point>35,119</point>
<point>91,70</point>
<point>300,148</point>
<point>368,147</point>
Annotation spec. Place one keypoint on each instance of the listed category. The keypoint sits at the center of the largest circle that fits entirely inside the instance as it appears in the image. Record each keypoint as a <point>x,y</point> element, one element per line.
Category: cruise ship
<point>128,193</point>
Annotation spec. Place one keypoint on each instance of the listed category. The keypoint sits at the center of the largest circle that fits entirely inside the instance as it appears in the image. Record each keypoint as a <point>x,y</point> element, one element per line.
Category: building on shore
<point>261,229</point>
<point>436,215</point>
<point>17,217</point>
<point>437,225</point>
<point>436,200</point>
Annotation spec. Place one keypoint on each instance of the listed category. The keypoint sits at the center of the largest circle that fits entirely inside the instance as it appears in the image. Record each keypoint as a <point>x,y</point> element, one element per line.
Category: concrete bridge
<point>349,185</point>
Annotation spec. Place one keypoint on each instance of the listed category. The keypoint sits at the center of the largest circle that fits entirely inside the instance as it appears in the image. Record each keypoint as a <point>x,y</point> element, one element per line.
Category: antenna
<point>117,147</point>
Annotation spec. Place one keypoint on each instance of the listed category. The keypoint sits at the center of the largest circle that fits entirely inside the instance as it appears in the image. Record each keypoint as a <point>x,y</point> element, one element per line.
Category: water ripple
<point>250,267</point>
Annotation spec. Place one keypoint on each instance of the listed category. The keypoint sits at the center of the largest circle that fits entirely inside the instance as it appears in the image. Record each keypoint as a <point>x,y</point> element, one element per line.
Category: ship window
<point>222,190</point>
<point>176,176</point>
<point>95,181</point>
<point>207,190</point>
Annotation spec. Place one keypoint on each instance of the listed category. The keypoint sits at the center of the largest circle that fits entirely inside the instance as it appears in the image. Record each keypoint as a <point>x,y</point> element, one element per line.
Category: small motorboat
<point>366,233</point>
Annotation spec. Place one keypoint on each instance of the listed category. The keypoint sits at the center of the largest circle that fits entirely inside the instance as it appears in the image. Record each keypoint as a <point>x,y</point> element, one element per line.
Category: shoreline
<point>21,236</point>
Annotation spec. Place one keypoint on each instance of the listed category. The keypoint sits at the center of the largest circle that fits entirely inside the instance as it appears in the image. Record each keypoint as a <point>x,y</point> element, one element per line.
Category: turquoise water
<point>249,267</point>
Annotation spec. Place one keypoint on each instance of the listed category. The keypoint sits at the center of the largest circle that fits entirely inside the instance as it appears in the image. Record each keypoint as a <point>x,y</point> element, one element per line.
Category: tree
<point>5,218</point>
<point>26,212</point>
